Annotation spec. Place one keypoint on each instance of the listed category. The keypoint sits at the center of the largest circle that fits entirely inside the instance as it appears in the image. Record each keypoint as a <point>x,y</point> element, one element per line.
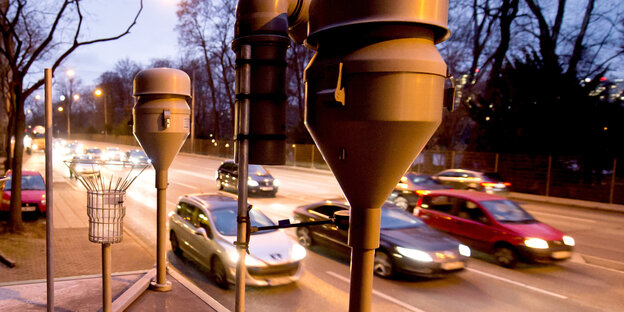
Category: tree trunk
<point>213,92</point>
<point>15,214</point>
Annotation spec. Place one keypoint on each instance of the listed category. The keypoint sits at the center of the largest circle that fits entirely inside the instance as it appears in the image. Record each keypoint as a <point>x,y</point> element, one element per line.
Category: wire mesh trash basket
<point>106,210</point>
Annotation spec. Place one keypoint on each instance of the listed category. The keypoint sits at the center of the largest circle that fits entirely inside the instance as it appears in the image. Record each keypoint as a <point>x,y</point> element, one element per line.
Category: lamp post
<point>70,74</point>
<point>98,92</point>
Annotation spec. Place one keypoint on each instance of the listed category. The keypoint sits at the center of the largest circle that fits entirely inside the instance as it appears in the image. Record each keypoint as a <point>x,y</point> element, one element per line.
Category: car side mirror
<point>202,232</point>
<point>484,220</point>
<point>341,219</point>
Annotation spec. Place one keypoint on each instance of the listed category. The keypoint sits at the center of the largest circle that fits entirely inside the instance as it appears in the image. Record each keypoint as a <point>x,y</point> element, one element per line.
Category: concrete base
<point>160,287</point>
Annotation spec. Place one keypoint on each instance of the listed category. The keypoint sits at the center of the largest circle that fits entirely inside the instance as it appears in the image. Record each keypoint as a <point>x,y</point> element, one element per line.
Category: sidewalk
<point>78,268</point>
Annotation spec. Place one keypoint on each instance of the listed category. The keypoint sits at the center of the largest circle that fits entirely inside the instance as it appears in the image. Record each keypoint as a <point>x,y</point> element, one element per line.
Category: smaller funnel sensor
<point>106,183</point>
<point>161,125</point>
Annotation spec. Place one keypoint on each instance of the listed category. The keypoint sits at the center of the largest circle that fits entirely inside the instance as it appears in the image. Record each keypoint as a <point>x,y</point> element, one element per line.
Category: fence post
<point>313,151</point>
<point>496,163</point>
<point>452,159</point>
<point>294,147</point>
<point>611,191</point>
<point>548,175</point>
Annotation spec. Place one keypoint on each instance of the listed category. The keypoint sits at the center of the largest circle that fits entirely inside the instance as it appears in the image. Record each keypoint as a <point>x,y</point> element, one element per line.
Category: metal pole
<point>612,181</point>
<point>496,163</point>
<point>49,181</point>
<point>107,299</point>
<point>243,162</point>
<point>105,114</point>
<point>161,283</point>
<point>548,175</point>
<point>364,231</point>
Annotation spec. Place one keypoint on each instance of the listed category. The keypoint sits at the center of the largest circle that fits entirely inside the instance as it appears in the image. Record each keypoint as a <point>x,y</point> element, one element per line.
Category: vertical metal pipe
<point>548,175</point>
<point>452,159</point>
<point>107,298</point>
<point>364,231</point>
<point>49,182</point>
<point>243,159</point>
<point>161,283</point>
<point>611,191</point>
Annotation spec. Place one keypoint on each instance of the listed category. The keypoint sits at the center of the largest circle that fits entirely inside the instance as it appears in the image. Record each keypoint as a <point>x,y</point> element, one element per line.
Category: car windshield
<point>507,211</point>
<point>225,220</point>
<point>423,180</point>
<point>94,151</point>
<point>257,170</point>
<point>396,218</point>
<point>29,182</point>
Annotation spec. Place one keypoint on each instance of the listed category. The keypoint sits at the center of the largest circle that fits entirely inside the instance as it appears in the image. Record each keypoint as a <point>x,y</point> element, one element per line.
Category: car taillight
<point>422,192</point>
<point>507,183</point>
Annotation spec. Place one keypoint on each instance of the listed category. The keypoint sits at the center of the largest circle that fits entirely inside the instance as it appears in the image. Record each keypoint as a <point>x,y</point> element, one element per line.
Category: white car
<point>203,227</point>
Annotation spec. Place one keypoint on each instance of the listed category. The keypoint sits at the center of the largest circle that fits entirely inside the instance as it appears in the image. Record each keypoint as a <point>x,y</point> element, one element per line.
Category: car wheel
<point>219,274</point>
<point>402,202</point>
<point>505,257</point>
<point>383,264</point>
<point>175,245</point>
<point>304,237</point>
<point>219,184</point>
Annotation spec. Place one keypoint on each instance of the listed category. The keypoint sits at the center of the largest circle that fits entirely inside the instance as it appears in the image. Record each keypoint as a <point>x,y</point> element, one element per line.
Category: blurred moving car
<point>94,153</point>
<point>494,224</point>
<point>259,182</point>
<point>203,227</point>
<point>35,141</point>
<point>137,156</point>
<point>405,194</point>
<point>461,179</point>
<point>84,166</point>
<point>113,153</point>
<point>74,148</point>
<point>406,244</point>
<point>33,193</point>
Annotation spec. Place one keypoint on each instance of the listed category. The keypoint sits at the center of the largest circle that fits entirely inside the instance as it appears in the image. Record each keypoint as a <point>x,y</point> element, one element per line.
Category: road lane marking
<point>564,217</point>
<point>186,185</point>
<point>380,294</point>
<point>518,283</point>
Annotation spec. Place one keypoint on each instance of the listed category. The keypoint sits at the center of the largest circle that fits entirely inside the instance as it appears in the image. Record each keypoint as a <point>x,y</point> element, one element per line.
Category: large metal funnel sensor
<point>161,113</point>
<point>373,103</point>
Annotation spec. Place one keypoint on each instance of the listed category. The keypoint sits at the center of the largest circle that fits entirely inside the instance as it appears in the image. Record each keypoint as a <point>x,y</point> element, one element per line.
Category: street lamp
<point>98,92</point>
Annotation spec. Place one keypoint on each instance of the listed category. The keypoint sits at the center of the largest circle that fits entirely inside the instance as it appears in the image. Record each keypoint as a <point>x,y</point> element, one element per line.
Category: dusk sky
<point>152,37</point>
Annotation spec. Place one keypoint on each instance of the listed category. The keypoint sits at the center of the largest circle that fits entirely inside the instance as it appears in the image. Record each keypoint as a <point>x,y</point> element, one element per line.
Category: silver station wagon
<point>203,227</point>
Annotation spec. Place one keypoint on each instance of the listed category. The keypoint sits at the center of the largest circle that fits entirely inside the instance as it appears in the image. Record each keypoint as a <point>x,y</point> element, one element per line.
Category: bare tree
<point>194,27</point>
<point>28,34</point>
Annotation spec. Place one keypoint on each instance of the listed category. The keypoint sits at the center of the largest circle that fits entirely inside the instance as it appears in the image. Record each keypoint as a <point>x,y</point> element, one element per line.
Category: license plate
<point>452,265</point>
<point>266,188</point>
<point>561,254</point>
<point>29,208</point>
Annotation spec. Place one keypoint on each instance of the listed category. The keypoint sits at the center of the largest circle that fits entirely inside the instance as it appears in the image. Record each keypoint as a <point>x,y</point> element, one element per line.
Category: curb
<point>7,261</point>
<point>568,202</point>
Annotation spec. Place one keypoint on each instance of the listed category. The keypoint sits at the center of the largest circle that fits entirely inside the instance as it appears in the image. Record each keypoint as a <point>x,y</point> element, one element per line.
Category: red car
<point>493,224</point>
<point>33,193</point>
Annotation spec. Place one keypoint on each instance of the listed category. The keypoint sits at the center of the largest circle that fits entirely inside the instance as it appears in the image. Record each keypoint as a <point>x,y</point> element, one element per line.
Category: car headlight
<point>298,252</point>
<point>252,182</point>
<point>537,243</point>
<point>415,254</point>
<point>35,146</point>
<point>276,182</point>
<point>568,240</point>
<point>464,250</point>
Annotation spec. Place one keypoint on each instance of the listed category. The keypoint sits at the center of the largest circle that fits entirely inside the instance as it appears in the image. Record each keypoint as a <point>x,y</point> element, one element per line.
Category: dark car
<point>406,192</point>
<point>406,244</point>
<point>94,153</point>
<point>203,228</point>
<point>260,181</point>
<point>461,179</point>
<point>33,193</point>
<point>137,156</point>
<point>494,224</point>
